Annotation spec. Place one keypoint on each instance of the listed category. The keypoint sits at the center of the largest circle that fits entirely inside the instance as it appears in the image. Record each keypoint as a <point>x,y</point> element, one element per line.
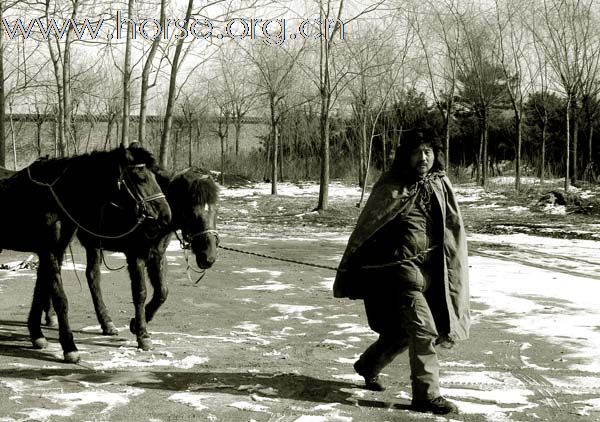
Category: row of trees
<point>490,78</point>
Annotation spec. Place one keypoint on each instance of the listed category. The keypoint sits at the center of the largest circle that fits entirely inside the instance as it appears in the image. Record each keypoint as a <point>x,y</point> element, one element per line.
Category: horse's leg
<point>41,299</point>
<point>51,318</point>
<point>92,273</point>
<point>52,279</point>
<point>61,306</point>
<point>156,273</point>
<point>135,265</point>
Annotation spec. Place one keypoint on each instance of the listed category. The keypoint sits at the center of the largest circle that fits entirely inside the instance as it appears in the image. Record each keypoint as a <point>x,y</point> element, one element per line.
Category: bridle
<point>186,240</point>
<point>141,202</point>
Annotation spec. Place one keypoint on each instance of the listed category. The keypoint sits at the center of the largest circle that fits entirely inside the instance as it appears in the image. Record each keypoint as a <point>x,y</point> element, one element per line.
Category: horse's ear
<point>125,155</point>
<point>135,145</point>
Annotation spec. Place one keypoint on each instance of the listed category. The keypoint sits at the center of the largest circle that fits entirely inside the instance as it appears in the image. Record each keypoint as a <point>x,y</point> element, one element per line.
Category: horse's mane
<point>194,186</point>
<point>47,168</point>
<point>143,156</point>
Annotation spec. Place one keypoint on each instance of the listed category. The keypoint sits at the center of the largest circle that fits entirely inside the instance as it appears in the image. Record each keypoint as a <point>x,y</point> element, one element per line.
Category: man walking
<point>407,259</point>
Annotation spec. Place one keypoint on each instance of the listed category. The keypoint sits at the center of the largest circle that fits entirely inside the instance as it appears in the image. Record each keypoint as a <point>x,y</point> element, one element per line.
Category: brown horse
<point>44,205</point>
<point>192,196</point>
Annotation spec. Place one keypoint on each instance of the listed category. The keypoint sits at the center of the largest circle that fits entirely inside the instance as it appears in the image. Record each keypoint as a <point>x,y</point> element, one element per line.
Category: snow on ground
<point>573,248</point>
<point>308,189</point>
<point>560,308</point>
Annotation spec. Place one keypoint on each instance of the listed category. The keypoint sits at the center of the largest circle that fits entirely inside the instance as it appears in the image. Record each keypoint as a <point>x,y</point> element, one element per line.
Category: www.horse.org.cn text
<point>270,31</point>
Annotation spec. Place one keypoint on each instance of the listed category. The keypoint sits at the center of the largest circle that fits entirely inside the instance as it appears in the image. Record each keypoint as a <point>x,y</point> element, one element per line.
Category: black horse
<point>44,205</point>
<point>192,196</point>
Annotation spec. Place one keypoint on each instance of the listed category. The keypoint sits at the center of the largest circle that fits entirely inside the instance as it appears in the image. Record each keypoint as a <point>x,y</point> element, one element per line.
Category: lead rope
<point>189,267</point>
<point>293,261</point>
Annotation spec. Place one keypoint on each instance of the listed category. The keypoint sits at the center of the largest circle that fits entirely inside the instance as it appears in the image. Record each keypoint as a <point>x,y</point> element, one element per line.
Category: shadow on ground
<point>280,385</point>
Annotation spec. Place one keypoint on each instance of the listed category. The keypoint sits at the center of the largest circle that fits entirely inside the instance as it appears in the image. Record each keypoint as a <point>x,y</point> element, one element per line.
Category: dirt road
<point>264,340</point>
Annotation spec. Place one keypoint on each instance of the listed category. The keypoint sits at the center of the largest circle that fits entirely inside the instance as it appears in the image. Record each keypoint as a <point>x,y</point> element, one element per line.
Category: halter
<point>186,240</point>
<point>141,202</point>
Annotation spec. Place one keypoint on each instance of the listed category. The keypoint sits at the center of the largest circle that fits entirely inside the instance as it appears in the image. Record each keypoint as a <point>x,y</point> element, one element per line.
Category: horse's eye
<point>139,174</point>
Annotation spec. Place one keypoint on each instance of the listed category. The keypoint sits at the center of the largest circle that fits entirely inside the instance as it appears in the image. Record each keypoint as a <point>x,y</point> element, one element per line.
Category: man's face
<point>421,159</point>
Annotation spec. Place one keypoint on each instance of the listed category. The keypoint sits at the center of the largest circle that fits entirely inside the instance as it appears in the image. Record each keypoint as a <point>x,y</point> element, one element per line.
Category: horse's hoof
<point>144,343</point>
<point>132,326</point>
<point>110,330</point>
<point>51,321</point>
<point>72,357</point>
<point>40,343</point>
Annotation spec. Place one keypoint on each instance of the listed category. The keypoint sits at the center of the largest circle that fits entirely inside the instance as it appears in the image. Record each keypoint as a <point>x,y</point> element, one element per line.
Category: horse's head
<point>138,189</point>
<point>193,196</point>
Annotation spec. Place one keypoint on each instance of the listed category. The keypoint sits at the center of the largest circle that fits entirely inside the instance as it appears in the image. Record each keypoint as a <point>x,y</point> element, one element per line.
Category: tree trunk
<point>518,153</point>
<point>281,174</point>
<point>55,133</point>
<point>12,136</point>
<point>478,156</point>
<point>590,143</point>
<point>109,126</point>
<point>168,120</point>
<point>275,150</point>
<point>384,148</point>
<point>267,157</point>
<point>568,141</point>
<point>323,203</point>
<point>190,128</point>
<point>175,149</point>
<point>363,149</point>
<point>66,80</point>
<point>484,160</point>
<point>127,78</point>
<point>2,93</point>
<point>447,128</point>
<point>59,93</point>
<point>89,136</point>
<point>238,129</point>
<point>38,136</point>
<point>222,137</point>
<point>325,93</point>
<point>146,77</point>
<point>306,167</point>
<point>543,167</point>
<point>575,117</point>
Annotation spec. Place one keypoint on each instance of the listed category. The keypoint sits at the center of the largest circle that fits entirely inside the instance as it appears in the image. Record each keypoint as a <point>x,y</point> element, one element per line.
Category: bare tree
<point>126,109</point>
<point>514,55</point>
<point>444,22</point>
<point>194,109</point>
<point>370,59</point>
<point>564,30</point>
<point>376,61</point>
<point>147,68</point>
<point>238,88</point>
<point>329,81</point>
<point>274,78</point>
<point>482,80</point>
<point>539,101</point>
